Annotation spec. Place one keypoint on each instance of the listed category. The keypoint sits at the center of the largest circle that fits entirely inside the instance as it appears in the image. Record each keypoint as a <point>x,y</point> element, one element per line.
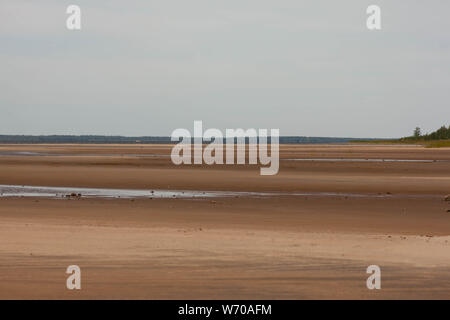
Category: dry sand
<point>284,247</point>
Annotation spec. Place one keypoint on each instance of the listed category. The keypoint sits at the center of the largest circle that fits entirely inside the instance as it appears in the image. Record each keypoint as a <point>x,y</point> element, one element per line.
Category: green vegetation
<point>437,139</point>
<point>438,144</point>
<point>443,133</point>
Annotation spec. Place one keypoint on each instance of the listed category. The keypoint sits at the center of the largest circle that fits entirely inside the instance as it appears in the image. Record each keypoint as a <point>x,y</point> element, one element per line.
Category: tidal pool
<point>77,192</point>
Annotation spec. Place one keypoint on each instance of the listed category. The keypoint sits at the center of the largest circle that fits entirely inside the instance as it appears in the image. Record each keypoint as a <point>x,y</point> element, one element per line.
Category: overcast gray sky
<point>148,67</point>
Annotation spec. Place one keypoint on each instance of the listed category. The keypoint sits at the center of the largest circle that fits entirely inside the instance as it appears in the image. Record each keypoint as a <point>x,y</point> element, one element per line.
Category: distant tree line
<point>92,139</point>
<point>80,139</point>
<point>443,133</point>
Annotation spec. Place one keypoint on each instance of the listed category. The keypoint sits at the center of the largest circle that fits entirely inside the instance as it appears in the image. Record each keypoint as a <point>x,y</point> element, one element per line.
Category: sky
<point>309,68</point>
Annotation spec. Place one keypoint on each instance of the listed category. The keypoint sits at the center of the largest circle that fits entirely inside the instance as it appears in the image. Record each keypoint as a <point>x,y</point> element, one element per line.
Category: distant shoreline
<point>425,143</point>
<point>102,139</point>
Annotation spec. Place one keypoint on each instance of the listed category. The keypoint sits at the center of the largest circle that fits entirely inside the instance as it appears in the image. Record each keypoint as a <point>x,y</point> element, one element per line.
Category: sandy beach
<point>357,205</point>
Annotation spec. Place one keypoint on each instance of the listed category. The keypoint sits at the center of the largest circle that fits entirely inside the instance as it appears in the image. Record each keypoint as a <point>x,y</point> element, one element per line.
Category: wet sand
<point>285,247</point>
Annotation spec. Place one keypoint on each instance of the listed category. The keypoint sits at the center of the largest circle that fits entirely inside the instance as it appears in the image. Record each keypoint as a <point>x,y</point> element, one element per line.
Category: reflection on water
<point>74,192</point>
<point>20,153</point>
<point>59,192</point>
<point>159,155</point>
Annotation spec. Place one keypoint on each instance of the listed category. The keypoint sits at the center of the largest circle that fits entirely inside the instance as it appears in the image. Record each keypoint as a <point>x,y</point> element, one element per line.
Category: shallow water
<point>367,160</point>
<point>48,154</point>
<point>75,192</point>
<point>60,192</point>
<point>21,153</point>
